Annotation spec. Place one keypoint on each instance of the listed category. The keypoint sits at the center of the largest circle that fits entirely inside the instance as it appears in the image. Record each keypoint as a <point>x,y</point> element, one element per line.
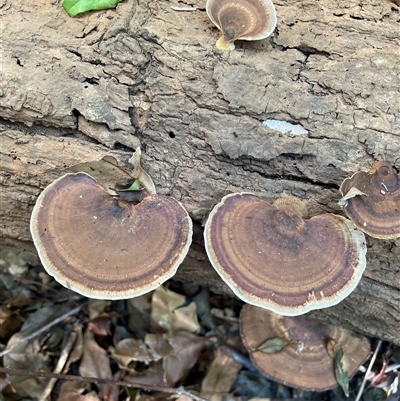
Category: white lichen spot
<point>285,127</point>
<point>80,196</point>
<point>95,217</point>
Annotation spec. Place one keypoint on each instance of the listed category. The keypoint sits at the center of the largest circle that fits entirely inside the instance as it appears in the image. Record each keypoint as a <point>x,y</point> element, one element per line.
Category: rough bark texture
<point>145,74</point>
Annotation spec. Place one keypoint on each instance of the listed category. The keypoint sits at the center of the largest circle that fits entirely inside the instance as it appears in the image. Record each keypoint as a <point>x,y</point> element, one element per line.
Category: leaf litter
<point>175,343</point>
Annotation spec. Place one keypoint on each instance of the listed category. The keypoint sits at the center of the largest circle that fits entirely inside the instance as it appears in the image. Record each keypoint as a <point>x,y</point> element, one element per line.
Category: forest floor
<point>178,342</point>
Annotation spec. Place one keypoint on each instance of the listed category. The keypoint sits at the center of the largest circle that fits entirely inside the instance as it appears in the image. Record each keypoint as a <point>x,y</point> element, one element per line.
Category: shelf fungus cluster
<point>301,352</point>
<point>104,247</point>
<point>273,257</point>
<point>241,19</point>
<point>372,200</point>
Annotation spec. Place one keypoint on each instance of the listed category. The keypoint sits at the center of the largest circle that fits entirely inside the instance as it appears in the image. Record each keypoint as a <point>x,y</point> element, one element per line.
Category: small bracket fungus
<point>270,256</point>
<point>303,361</point>
<point>104,247</point>
<point>372,200</point>
<point>241,19</point>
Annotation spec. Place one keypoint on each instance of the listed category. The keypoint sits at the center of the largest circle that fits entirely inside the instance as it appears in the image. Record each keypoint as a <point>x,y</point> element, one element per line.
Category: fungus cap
<point>103,247</point>
<point>273,258</point>
<point>372,200</point>
<point>241,19</point>
<point>304,362</point>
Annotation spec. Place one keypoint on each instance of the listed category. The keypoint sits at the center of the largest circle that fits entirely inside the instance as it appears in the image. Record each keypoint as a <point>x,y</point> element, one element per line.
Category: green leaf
<point>341,365</point>
<point>272,346</point>
<point>135,186</point>
<point>75,7</point>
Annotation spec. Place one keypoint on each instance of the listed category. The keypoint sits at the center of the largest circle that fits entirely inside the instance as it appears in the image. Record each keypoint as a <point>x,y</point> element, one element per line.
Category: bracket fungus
<point>304,360</point>
<point>241,19</point>
<point>104,247</point>
<point>270,256</point>
<point>372,200</point>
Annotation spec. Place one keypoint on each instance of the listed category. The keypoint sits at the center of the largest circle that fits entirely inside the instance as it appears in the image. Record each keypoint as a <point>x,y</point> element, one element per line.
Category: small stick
<point>361,390</point>
<point>22,372</point>
<point>60,365</point>
<point>42,329</point>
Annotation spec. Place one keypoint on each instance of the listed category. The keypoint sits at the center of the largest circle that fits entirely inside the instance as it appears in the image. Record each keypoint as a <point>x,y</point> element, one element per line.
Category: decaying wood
<point>145,74</point>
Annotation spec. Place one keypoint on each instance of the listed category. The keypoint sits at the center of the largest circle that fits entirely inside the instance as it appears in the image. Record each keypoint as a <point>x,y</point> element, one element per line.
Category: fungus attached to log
<point>270,256</point>
<point>103,247</point>
<point>372,200</point>
<point>303,360</point>
<point>241,19</point>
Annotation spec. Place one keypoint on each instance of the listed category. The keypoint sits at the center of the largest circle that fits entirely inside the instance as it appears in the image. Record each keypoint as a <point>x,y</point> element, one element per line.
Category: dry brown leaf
<point>221,375</point>
<point>184,398</point>
<point>186,349</point>
<point>101,325</point>
<point>167,312</point>
<point>10,322</point>
<point>77,348</point>
<point>4,382</point>
<point>131,350</point>
<point>186,319</point>
<point>96,307</point>
<point>73,391</point>
<point>95,362</point>
<point>25,354</point>
<point>158,344</point>
<point>139,313</point>
<point>152,376</point>
<point>105,171</point>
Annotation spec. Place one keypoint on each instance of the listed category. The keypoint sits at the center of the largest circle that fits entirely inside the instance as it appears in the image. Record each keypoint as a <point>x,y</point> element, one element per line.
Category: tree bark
<point>74,90</point>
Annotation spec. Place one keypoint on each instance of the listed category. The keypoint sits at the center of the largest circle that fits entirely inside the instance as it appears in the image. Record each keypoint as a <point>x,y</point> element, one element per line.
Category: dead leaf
<point>101,325</point>
<point>77,349</point>
<point>221,375</point>
<point>97,307</point>
<point>152,376</point>
<point>139,313</point>
<point>341,364</point>
<point>380,377</point>
<point>131,350</point>
<point>105,171</point>
<point>95,362</point>
<point>10,322</point>
<point>184,398</point>
<point>145,180</point>
<point>167,311</point>
<point>26,354</point>
<point>186,349</point>
<point>73,391</point>
<point>158,344</point>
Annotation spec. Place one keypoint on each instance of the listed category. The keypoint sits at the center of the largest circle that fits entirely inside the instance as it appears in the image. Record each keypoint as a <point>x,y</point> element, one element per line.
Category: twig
<point>43,329</point>
<point>94,380</point>
<point>60,365</point>
<point>361,390</point>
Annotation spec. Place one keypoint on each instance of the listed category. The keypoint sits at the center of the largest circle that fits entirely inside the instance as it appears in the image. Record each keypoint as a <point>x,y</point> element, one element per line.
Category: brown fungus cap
<point>304,362</point>
<point>372,200</point>
<point>103,247</point>
<point>270,256</point>
<point>241,19</point>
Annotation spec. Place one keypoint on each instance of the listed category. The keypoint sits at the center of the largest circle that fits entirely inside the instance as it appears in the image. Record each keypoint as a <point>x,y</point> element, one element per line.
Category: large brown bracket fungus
<point>372,200</point>
<point>241,19</point>
<point>304,361</point>
<point>103,247</point>
<point>270,256</point>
